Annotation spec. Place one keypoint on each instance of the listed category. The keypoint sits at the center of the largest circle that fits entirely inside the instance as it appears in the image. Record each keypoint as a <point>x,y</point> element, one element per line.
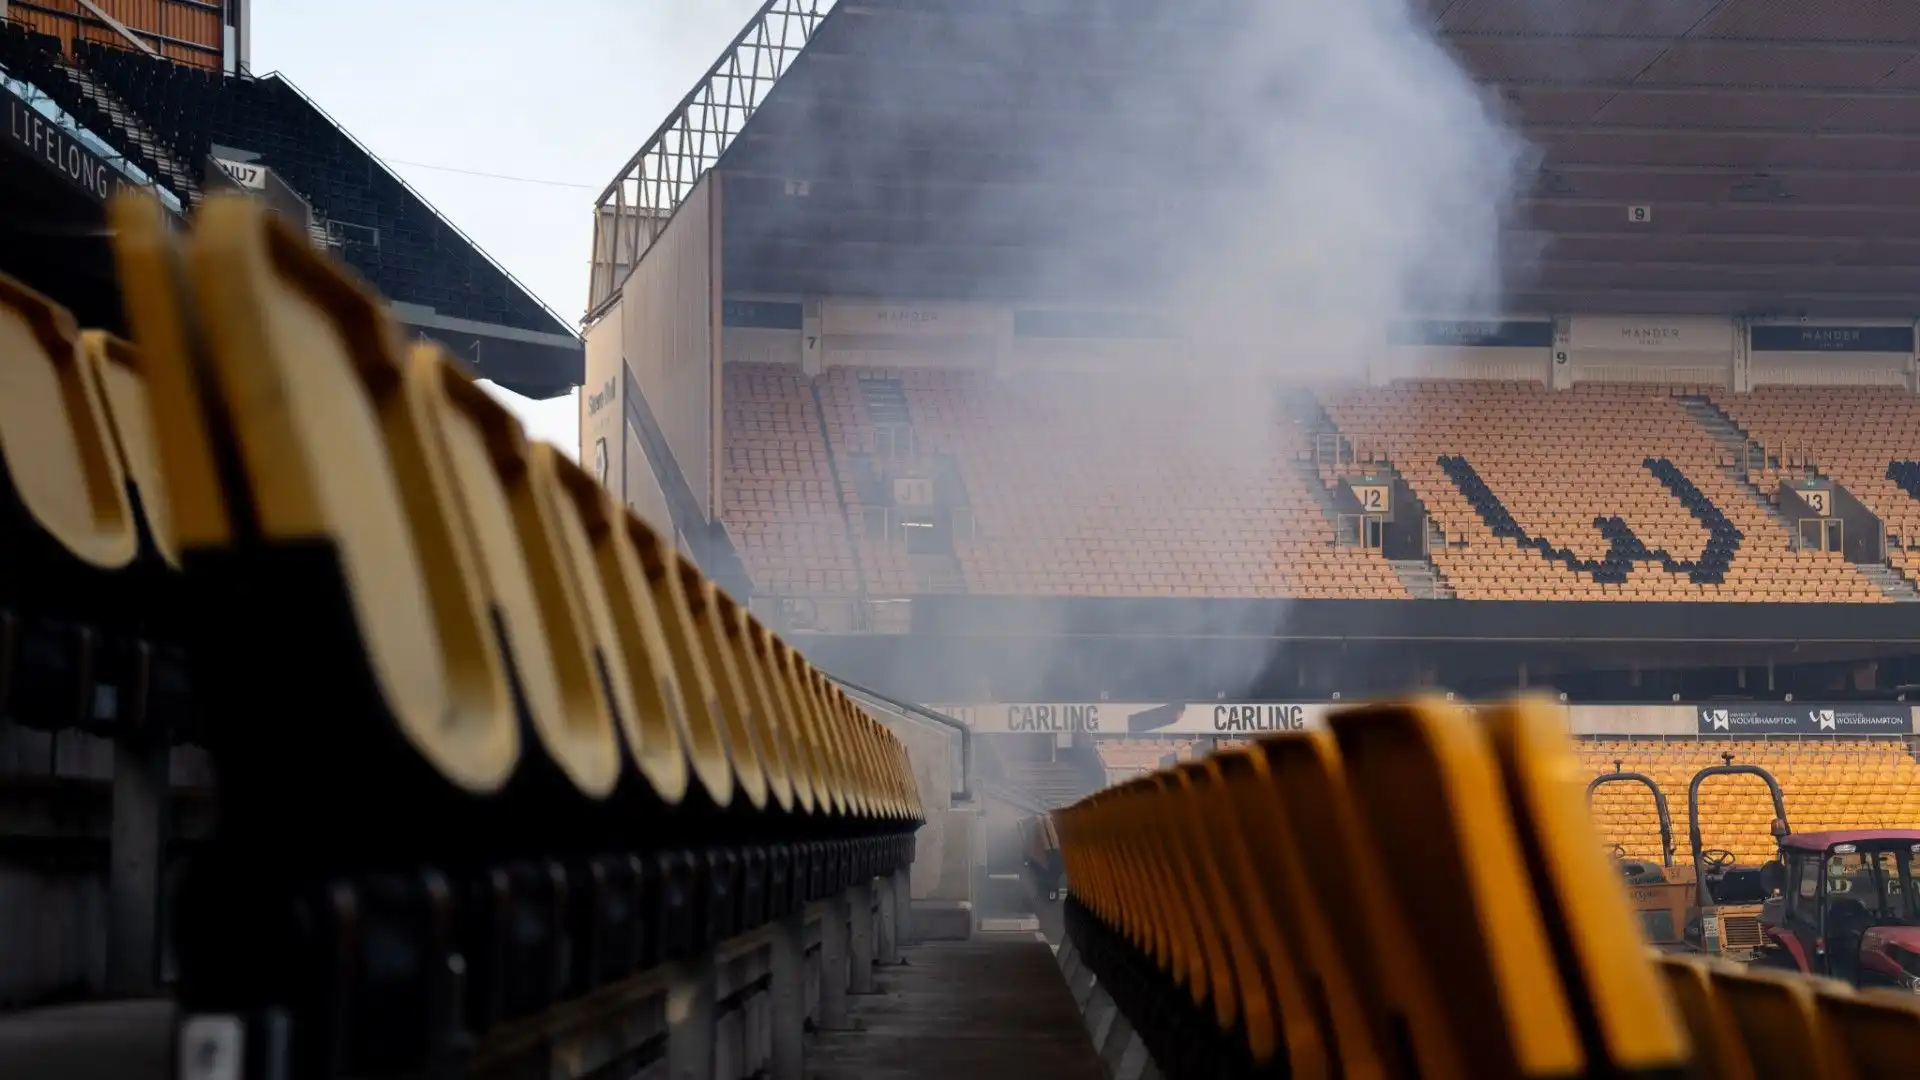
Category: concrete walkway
<point>994,1008</point>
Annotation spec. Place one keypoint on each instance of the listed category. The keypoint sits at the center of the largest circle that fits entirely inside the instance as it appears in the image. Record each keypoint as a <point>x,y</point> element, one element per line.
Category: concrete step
<point>1891,582</point>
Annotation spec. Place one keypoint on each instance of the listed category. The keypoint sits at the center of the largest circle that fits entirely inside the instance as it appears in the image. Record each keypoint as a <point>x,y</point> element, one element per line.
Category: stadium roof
<point>1775,143</point>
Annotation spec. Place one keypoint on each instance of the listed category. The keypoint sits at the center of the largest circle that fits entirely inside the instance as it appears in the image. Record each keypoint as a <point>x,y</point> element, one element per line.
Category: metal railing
<point>44,104</point>
<point>654,182</point>
<point>924,717</point>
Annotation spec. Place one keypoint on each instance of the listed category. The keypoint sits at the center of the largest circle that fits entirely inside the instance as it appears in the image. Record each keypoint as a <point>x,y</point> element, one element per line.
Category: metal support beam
<point>137,844</point>
<point>888,927</point>
<point>690,1021</point>
<point>119,27</point>
<point>860,955</point>
<point>833,964</point>
<point>902,882</point>
<point>788,1011</point>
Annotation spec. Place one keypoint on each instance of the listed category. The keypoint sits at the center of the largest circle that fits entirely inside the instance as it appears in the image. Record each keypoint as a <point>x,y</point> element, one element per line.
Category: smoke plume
<point>1280,179</point>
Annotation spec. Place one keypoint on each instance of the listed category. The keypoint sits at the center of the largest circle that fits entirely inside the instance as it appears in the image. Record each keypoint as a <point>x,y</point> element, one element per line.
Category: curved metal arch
<point>634,209</point>
<point>1659,804</point>
<point>1693,812</point>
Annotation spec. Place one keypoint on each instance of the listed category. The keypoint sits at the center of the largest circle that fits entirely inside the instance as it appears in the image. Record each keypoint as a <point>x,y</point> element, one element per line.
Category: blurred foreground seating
<point>1416,892</point>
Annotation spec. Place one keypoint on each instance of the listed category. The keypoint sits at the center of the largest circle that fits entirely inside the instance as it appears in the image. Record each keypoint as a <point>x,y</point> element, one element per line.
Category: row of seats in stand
<point>1416,892</point>
<point>1604,492</point>
<point>1091,485</point>
<point>777,484</point>
<point>1861,783</point>
<point>485,741</point>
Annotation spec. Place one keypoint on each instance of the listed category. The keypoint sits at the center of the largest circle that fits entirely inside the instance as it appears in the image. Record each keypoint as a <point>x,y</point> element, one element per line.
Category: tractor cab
<point>1728,898</point>
<point>1848,906</point>
<point>1660,891</point>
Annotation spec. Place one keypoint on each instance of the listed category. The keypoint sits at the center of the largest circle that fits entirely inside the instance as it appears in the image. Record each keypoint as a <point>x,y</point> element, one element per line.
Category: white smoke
<point>1369,182</point>
<point>1283,178</point>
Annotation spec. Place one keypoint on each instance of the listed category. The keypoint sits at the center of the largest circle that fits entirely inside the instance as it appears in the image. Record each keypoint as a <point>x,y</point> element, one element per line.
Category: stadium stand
<point>161,122</point>
<point>1584,478</point>
<point>1070,494</point>
<point>1867,439</point>
<point>1605,492</point>
<point>1857,783</point>
<point>778,483</point>
<point>385,231</point>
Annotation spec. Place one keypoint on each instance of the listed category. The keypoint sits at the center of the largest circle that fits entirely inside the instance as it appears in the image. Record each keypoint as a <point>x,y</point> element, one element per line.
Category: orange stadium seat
<point>1559,460</point>
<point>779,503</point>
<point>1852,784</point>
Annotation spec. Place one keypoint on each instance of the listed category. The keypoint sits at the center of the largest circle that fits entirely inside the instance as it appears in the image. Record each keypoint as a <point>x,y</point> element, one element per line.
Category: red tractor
<point>1846,905</point>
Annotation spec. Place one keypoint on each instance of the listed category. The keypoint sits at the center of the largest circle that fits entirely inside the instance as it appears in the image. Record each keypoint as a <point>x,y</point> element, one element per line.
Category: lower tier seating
<point>1239,913</point>
<point>1855,784</point>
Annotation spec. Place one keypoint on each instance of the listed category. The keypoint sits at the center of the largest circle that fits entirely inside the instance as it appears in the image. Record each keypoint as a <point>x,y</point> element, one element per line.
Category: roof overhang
<point>1777,147</point>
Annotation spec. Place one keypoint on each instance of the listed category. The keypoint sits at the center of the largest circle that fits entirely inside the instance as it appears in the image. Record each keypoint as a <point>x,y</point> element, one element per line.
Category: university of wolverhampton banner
<point>1784,718</point>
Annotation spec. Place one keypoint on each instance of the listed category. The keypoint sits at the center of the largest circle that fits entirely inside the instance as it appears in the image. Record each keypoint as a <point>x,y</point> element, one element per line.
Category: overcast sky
<point>561,92</point>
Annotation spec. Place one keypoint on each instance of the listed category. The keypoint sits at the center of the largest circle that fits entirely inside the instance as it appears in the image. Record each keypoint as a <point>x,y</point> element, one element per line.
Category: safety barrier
<point>488,749</point>
<point>1417,891</point>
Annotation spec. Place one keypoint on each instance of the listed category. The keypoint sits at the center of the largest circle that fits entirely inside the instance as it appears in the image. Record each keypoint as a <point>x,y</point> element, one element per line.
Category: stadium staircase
<point>1739,445</point>
<point>1322,440</point>
<point>1420,577</point>
<point>37,58</point>
<point>130,132</point>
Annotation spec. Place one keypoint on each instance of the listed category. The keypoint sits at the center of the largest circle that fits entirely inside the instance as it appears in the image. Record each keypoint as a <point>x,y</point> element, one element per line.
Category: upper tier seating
<point>1604,492</point>
<point>403,246</point>
<point>1532,489</point>
<point>1074,491</point>
<point>1851,784</point>
<point>1866,439</point>
<point>779,501</point>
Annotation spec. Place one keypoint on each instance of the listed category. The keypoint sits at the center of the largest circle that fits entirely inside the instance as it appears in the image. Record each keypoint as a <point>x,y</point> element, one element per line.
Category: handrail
<point>923,714</point>
<point>571,328</point>
<point>44,103</point>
